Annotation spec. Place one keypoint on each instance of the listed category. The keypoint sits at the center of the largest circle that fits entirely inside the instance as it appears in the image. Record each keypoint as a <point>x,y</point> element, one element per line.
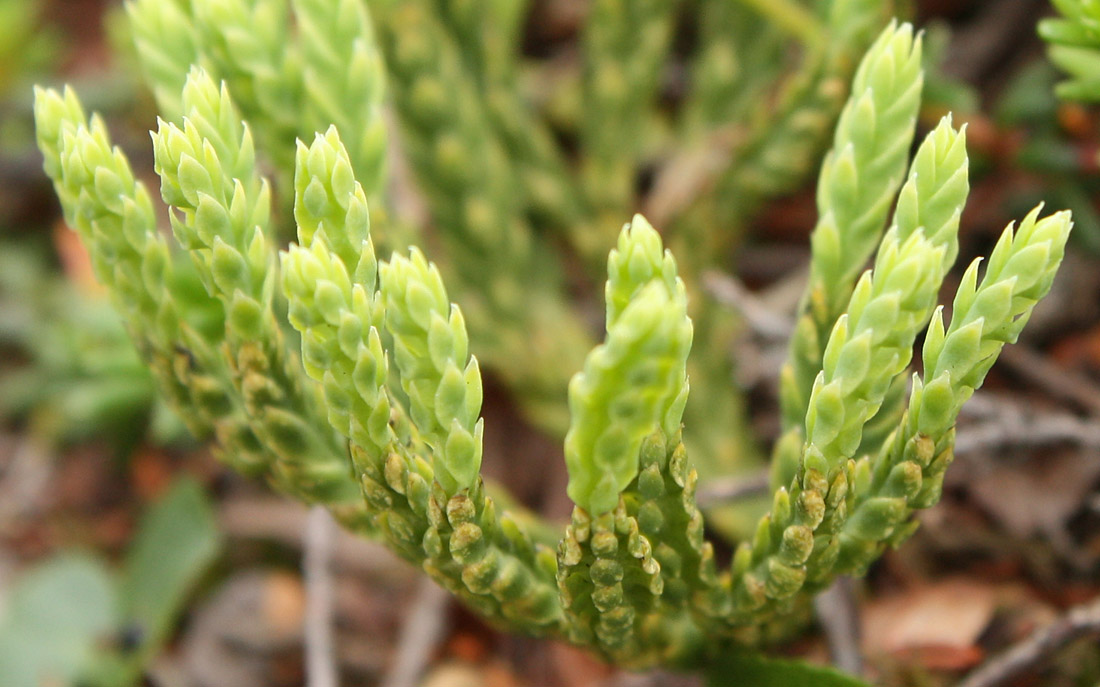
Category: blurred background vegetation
<point>127,554</point>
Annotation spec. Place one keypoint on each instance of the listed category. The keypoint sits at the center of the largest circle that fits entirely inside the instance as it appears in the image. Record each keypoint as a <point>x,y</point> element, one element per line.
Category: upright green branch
<point>636,381</point>
<point>853,504</point>
<point>627,400</point>
<point>503,274</point>
<point>908,472</point>
<point>221,214</point>
<point>343,78</point>
<point>625,44</point>
<point>858,181</point>
<point>169,323</point>
<point>441,380</point>
<point>870,345</point>
<point>419,466</point>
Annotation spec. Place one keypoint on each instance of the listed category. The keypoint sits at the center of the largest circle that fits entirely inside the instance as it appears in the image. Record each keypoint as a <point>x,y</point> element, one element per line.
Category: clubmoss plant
<point>502,192</point>
<point>372,405</point>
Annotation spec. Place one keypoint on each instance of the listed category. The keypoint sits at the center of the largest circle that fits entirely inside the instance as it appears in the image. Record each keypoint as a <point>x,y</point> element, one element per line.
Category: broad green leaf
<point>759,671</point>
<point>54,619</point>
<point>176,542</point>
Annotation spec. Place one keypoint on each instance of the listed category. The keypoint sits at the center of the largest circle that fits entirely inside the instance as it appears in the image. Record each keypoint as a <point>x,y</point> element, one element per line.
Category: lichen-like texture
<point>368,399</point>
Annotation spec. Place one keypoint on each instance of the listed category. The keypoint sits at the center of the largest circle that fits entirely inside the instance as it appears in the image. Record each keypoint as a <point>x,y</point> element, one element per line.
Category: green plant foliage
<point>625,43</point>
<point>53,620</point>
<point>775,123</point>
<point>636,382</point>
<point>857,185</point>
<point>176,542</point>
<point>442,382</point>
<point>25,45</point>
<point>64,619</point>
<point>114,215</point>
<point>379,418</point>
<point>400,447</point>
<point>221,206</point>
<point>1074,40</point>
<point>71,371</point>
<point>753,669</point>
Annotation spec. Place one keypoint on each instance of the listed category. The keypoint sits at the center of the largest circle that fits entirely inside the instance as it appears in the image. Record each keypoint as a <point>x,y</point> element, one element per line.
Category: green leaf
<point>756,670</point>
<point>177,540</point>
<point>56,615</point>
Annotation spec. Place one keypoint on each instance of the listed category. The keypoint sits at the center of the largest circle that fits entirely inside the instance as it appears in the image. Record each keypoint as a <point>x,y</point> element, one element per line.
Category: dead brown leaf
<point>939,623</point>
<point>1038,497</point>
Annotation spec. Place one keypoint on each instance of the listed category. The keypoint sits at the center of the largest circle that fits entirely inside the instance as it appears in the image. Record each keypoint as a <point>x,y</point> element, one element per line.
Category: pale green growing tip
<point>635,383</point>
<point>987,314</point>
<point>441,380</point>
<point>935,192</point>
<point>329,203</point>
<point>638,258</point>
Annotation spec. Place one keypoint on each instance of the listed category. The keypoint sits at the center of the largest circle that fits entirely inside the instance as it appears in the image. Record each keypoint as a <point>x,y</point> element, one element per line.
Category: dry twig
<point>320,657</point>
<point>1058,382</point>
<point>424,628</point>
<point>285,522</point>
<point>1078,622</point>
<point>25,473</point>
<point>837,610</point>
<point>1006,424</point>
<point>728,489</point>
<point>759,315</point>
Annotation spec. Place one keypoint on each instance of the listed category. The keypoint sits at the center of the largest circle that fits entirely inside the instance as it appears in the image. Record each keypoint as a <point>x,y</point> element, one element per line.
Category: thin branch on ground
<point>1006,424</point>
<point>999,424</point>
<point>407,201</point>
<point>838,612</point>
<point>761,317</point>
<point>26,468</point>
<point>762,351</point>
<point>1055,380</point>
<point>984,43</point>
<point>320,533</point>
<point>285,522</point>
<point>654,678</point>
<point>685,176</point>
<point>727,489</point>
<point>1078,622</point>
<point>425,627</point>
